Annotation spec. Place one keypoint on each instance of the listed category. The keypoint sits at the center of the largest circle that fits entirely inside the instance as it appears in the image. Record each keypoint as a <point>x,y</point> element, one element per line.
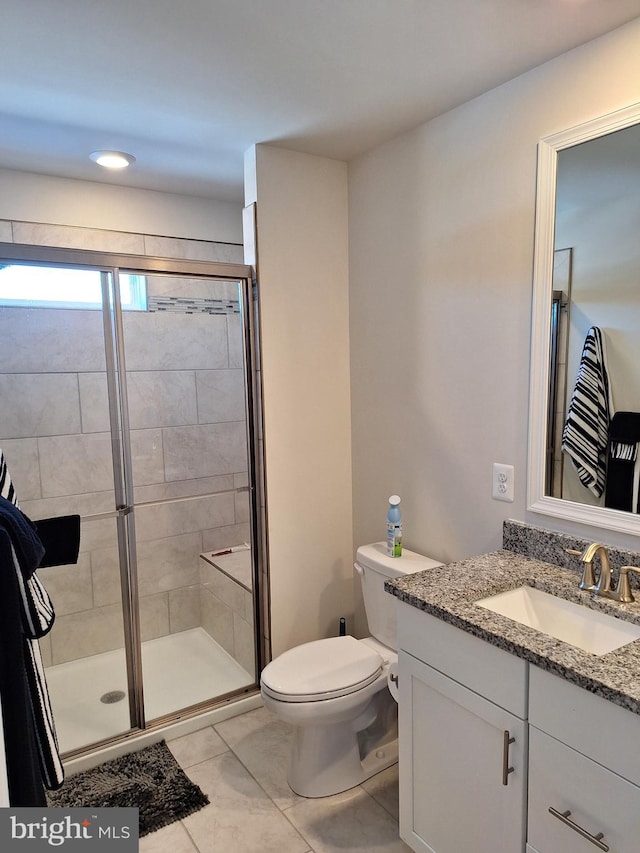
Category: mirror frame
<point>537,501</point>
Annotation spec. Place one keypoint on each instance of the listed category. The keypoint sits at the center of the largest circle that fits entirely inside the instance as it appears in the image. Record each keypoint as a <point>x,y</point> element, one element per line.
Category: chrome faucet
<point>588,581</point>
<point>622,592</point>
<point>602,589</point>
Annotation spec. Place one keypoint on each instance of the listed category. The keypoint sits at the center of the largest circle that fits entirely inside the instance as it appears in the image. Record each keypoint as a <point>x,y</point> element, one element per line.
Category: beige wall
<point>441,225</point>
<point>302,257</point>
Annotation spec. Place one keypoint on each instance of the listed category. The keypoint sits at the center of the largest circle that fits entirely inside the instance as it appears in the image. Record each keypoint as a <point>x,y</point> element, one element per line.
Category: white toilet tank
<point>375,567</point>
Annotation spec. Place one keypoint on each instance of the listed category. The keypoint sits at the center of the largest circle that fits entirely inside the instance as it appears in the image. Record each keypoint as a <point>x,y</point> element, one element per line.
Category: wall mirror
<point>586,277</point>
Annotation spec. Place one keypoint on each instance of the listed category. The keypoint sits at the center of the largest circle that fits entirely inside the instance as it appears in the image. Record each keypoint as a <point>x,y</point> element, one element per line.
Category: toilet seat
<point>322,669</point>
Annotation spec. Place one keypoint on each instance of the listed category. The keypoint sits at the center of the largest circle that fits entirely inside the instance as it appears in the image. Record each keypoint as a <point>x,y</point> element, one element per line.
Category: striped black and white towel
<point>37,620</point>
<point>623,468</point>
<point>7,490</point>
<point>586,430</point>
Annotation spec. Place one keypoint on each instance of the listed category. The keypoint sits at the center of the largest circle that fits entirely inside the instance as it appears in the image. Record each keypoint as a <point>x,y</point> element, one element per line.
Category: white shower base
<point>179,670</point>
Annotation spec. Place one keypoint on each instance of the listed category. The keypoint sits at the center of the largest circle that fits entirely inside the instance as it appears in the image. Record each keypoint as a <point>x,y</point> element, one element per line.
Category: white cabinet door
<point>593,808</point>
<point>462,767</point>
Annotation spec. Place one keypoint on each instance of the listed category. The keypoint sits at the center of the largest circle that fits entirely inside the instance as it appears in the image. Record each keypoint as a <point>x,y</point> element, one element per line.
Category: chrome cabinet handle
<point>507,741</point>
<point>594,839</point>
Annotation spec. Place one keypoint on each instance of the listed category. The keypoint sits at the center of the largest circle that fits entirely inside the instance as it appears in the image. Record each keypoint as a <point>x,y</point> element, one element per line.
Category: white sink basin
<point>589,630</point>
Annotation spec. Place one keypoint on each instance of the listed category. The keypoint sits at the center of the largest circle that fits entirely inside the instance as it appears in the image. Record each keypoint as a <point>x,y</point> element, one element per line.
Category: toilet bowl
<point>334,692</point>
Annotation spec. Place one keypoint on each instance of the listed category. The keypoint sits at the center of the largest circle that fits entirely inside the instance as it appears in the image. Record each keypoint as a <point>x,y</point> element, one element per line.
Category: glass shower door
<point>186,411</point>
<point>125,398</point>
<point>56,433</point>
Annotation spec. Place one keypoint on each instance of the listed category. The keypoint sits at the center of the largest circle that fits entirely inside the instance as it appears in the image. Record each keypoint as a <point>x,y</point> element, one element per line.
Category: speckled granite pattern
<point>549,546</point>
<point>449,592</point>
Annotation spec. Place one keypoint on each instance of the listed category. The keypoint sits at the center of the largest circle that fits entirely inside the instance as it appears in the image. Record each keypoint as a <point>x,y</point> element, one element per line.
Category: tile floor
<point>241,765</point>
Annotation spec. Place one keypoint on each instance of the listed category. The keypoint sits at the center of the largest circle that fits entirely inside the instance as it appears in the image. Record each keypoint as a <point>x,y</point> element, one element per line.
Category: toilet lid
<point>322,669</point>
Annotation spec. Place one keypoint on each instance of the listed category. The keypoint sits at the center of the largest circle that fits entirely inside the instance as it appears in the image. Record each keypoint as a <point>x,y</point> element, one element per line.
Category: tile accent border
<point>187,305</point>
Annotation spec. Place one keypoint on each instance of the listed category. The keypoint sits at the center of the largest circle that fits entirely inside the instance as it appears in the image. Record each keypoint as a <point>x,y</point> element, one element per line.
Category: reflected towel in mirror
<point>586,431</point>
<point>623,469</point>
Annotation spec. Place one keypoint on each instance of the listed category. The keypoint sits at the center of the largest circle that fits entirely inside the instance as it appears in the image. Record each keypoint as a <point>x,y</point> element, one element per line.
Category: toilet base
<point>327,760</point>
<point>343,773</point>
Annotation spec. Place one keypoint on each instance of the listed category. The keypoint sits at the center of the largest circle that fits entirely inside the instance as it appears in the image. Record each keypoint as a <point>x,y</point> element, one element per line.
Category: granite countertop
<point>449,592</point>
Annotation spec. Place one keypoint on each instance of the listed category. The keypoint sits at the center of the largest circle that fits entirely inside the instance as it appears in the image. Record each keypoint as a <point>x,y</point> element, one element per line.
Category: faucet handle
<point>573,552</point>
<point>623,590</point>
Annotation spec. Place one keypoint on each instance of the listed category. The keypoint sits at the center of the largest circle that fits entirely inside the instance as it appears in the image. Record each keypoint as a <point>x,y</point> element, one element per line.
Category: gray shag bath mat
<point>150,779</point>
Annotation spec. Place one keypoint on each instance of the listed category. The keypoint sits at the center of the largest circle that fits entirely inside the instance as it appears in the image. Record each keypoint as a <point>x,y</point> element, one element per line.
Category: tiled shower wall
<point>188,439</point>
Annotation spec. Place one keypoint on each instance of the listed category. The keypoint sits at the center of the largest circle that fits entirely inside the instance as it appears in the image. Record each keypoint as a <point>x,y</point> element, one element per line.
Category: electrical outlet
<point>502,482</point>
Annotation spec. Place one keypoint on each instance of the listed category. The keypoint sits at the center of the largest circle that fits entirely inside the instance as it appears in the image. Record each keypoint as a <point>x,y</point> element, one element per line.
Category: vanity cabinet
<point>584,771</point>
<point>462,750</point>
<point>461,702</point>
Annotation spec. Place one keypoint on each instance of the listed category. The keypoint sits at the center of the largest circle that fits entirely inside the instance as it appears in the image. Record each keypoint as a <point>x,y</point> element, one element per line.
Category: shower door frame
<point>110,264</point>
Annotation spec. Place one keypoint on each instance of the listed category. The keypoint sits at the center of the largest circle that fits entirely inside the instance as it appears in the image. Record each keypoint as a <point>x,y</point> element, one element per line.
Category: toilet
<point>335,692</point>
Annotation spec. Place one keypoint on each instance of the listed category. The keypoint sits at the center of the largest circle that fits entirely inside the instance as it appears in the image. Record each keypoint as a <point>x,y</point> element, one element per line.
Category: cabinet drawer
<point>493,673</point>
<point>590,724</point>
<point>598,800</point>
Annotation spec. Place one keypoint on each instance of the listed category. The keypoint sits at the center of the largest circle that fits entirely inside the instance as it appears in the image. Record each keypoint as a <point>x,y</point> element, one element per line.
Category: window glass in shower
<point>135,414</point>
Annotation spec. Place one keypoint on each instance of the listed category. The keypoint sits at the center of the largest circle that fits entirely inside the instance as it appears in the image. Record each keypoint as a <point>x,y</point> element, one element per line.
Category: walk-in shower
<point>128,396</point>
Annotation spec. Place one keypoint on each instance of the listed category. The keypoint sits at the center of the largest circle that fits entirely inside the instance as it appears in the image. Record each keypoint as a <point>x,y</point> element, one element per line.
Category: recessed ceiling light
<point>113,159</point>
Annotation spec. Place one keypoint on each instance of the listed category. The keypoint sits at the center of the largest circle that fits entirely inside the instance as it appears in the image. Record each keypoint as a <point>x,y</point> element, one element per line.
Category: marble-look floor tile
<point>383,787</point>
<point>240,816</point>
<point>197,747</point>
<point>174,838</point>
<point>262,743</point>
<point>350,821</point>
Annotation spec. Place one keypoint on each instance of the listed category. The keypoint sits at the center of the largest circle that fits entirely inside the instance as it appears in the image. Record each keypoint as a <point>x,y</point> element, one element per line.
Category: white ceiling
<point>188,85</point>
